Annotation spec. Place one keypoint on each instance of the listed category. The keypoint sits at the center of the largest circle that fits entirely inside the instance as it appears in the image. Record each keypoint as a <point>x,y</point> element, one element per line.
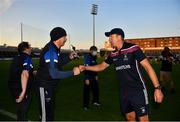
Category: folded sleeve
<point>139,55</point>
<point>27,64</point>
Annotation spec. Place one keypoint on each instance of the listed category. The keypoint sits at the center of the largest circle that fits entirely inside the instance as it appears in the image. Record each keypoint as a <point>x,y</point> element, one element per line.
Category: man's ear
<point>59,41</point>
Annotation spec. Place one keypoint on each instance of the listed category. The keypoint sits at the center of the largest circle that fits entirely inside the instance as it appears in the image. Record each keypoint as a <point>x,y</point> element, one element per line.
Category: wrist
<point>158,87</point>
<point>86,67</point>
<point>23,91</point>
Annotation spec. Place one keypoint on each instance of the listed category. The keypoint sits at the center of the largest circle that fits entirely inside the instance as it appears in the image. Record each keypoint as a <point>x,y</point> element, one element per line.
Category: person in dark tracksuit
<point>21,80</point>
<point>91,79</point>
<point>50,71</point>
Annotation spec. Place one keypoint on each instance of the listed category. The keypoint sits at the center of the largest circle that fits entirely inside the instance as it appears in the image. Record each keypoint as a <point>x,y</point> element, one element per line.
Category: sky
<point>138,19</point>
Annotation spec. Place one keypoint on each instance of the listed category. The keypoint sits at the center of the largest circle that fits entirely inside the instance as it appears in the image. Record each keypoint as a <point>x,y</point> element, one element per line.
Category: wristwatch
<point>158,87</point>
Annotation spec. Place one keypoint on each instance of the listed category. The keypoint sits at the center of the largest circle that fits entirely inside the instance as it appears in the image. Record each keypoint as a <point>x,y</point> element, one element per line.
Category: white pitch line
<point>9,114</point>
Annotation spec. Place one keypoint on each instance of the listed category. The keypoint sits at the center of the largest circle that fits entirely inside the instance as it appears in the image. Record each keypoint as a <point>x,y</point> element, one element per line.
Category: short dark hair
<point>22,46</point>
<point>93,48</point>
<point>166,49</point>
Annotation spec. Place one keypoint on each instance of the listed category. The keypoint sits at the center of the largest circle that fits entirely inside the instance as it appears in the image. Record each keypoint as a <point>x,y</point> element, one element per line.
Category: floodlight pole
<point>94,12</point>
<point>21,32</point>
<point>93,30</point>
<point>69,42</point>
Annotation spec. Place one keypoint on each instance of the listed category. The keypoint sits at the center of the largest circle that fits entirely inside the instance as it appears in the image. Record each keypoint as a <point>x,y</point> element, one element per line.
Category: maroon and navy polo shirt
<point>127,65</point>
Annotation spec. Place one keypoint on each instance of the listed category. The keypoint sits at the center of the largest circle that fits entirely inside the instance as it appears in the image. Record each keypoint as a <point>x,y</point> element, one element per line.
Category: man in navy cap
<point>50,71</point>
<point>127,59</point>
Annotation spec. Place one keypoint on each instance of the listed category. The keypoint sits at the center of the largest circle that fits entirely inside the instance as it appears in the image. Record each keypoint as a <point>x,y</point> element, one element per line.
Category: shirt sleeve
<point>56,74</point>
<point>52,60</point>
<point>27,64</point>
<point>109,60</point>
<point>139,55</point>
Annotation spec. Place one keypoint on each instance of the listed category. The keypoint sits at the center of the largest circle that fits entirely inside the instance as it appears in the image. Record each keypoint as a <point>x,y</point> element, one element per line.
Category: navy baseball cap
<point>117,31</point>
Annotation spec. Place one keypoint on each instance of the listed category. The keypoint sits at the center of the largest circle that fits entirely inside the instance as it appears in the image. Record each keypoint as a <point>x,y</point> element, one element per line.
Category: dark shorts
<point>135,100</point>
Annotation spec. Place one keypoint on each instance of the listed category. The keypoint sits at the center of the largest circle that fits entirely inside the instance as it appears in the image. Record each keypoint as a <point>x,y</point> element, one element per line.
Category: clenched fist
<point>21,97</point>
<point>158,96</point>
<point>76,71</point>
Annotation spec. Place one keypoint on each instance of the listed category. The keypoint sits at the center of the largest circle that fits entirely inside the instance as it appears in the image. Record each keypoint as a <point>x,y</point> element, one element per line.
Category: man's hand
<point>76,71</point>
<point>73,55</point>
<point>82,68</point>
<point>158,96</point>
<point>21,97</point>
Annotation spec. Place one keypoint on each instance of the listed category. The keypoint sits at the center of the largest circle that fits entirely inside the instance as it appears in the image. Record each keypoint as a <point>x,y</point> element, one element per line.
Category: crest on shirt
<point>143,110</point>
<point>125,57</point>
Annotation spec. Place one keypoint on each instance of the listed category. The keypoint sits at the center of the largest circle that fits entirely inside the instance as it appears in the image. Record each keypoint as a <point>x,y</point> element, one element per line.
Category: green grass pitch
<point>69,97</point>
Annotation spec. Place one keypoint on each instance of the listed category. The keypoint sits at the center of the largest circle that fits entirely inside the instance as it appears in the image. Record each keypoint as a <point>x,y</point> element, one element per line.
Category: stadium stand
<point>8,52</point>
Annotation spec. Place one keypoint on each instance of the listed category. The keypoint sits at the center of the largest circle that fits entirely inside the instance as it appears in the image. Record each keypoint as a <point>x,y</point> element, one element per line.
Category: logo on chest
<point>115,59</point>
<point>125,57</point>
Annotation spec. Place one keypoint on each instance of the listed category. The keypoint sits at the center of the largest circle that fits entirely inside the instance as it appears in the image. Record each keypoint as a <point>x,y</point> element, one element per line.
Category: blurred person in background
<point>90,80</point>
<point>166,69</point>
